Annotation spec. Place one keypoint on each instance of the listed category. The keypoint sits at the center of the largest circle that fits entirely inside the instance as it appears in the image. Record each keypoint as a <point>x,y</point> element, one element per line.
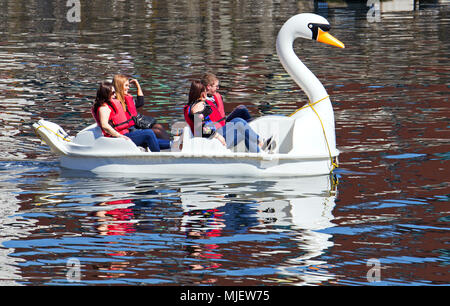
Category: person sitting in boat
<point>205,120</point>
<point>211,83</point>
<point>110,115</point>
<point>121,85</point>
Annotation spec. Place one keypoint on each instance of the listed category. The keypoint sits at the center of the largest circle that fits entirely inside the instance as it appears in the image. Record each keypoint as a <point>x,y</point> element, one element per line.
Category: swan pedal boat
<point>305,140</point>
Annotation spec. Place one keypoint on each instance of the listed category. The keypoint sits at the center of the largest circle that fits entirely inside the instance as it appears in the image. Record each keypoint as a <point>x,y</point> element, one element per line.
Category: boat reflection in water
<point>13,226</point>
<point>9,273</point>
<point>299,208</point>
<point>184,230</point>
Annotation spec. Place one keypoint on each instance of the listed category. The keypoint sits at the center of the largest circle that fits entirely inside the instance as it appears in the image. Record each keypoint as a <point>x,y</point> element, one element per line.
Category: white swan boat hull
<point>90,151</point>
<point>181,164</point>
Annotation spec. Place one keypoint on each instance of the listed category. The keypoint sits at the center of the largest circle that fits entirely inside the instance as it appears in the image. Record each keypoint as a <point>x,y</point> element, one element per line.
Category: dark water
<point>386,207</point>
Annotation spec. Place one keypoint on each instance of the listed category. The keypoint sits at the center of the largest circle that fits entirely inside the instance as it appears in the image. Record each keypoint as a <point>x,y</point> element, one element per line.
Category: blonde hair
<point>209,79</point>
<point>118,82</point>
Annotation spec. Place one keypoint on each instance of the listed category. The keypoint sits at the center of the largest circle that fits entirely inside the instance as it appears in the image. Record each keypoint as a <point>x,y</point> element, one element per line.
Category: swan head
<point>314,27</point>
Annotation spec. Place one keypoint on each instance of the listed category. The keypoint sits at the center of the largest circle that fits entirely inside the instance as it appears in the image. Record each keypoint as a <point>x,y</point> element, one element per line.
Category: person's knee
<point>150,133</point>
<point>240,124</point>
<point>239,120</point>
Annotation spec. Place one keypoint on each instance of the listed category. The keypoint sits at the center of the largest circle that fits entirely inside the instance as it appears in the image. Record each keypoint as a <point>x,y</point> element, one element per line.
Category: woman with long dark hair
<point>111,117</point>
<point>206,121</point>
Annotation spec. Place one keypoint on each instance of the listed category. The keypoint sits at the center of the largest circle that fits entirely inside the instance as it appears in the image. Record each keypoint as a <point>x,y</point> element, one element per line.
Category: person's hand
<point>134,81</point>
<point>124,137</point>
<point>220,138</point>
<point>138,87</point>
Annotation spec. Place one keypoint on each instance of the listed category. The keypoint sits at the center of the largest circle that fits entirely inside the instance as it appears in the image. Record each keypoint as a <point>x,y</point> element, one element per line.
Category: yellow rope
<point>63,138</point>
<point>333,162</point>
<point>307,105</point>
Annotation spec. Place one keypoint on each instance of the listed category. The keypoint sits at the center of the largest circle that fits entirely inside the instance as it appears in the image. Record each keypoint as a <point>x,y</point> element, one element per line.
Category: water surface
<point>388,201</point>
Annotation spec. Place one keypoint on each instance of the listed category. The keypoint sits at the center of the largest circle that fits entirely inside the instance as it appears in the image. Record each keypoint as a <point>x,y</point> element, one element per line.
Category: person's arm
<point>138,87</point>
<point>220,138</point>
<point>139,102</point>
<point>197,117</point>
<point>140,94</point>
<point>197,108</point>
<point>104,112</point>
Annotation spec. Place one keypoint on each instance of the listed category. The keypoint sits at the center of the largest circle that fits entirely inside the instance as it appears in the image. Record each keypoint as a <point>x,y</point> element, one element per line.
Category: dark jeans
<point>144,138</point>
<point>240,112</point>
<point>238,129</point>
<point>163,143</point>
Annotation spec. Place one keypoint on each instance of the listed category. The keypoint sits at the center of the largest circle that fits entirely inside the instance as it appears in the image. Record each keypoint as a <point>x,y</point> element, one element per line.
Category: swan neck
<point>304,78</point>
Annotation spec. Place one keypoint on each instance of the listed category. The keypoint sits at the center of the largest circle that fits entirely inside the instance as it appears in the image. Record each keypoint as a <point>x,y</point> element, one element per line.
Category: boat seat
<point>187,133</point>
<point>279,127</point>
<point>88,135</point>
<point>199,144</point>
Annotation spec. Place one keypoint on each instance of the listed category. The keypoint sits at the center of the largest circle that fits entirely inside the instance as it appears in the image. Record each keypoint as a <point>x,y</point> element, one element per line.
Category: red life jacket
<point>131,107</point>
<point>216,117</point>
<point>219,102</point>
<point>118,118</point>
<point>120,123</point>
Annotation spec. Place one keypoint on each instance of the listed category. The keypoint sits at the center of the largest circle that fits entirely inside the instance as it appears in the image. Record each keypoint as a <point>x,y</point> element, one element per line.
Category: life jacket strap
<point>121,123</point>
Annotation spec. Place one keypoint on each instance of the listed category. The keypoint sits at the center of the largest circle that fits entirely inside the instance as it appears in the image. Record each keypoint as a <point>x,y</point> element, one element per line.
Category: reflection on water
<point>389,89</point>
<point>297,208</point>
<point>165,231</point>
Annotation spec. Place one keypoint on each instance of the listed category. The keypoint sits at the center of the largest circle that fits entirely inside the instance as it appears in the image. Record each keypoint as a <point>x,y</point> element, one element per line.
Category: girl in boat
<point>205,120</point>
<point>122,85</point>
<point>110,115</point>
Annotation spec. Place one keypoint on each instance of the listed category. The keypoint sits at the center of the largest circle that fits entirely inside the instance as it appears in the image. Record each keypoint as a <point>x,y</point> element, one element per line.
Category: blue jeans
<point>238,129</point>
<point>240,112</point>
<point>144,138</point>
<point>163,144</point>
